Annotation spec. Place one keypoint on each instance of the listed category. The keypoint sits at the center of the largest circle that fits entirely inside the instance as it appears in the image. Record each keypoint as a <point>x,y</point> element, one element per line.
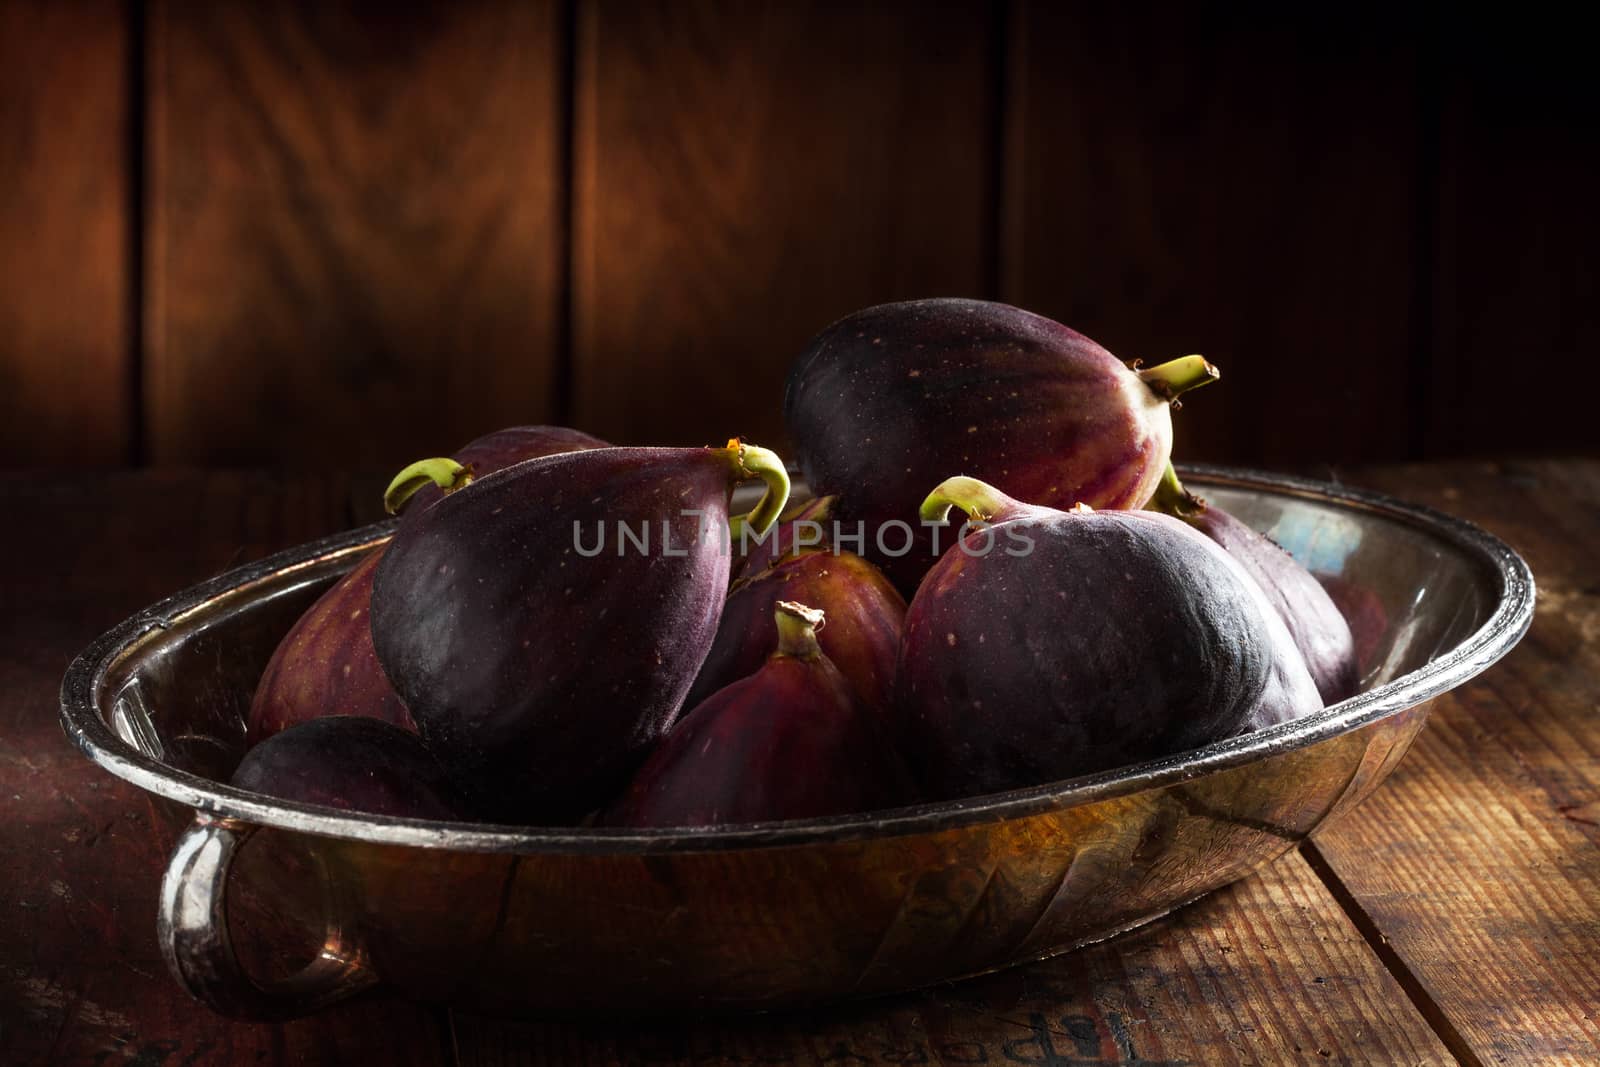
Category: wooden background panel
<point>748,173</point>
<point>1517,316</point>
<point>356,242</point>
<point>65,196</point>
<point>1236,182</point>
<point>295,234</point>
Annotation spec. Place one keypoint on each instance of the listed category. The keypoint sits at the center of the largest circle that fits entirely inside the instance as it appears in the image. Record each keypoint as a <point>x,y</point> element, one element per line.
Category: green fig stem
<point>1171,498</point>
<point>797,630</point>
<point>442,471</point>
<point>980,500</point>
<point>1172,379</point>
<point>756,462</point>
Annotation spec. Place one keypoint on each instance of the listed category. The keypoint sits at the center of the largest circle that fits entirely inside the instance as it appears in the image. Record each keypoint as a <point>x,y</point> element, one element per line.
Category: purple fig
<point>790,741</point>
<point>544,622</point>
<point>801,529</point>
<point>1319,630</point>
<point>325,665</point>
<point>1363,610</point>
<point>355,764</point>
<point>1051,644</point>
<point>861,638</point>
<point>890,400</point>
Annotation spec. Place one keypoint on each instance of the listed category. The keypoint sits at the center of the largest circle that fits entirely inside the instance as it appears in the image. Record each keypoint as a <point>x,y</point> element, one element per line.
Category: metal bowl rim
<point>87,729</point>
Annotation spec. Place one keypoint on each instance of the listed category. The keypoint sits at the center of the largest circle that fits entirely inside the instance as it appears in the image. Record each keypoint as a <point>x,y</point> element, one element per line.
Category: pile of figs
<point>998,582</point>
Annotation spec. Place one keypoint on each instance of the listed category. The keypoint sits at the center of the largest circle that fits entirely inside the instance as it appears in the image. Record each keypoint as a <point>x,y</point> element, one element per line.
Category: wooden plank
<point>748,173</point>
<point>81,978</point>
<point>1477,861</point>
<point>355,252</point>
<point>1267,971</point>
<point>1240,183</point>
<point>1517,304</point>
<point>65,345</point>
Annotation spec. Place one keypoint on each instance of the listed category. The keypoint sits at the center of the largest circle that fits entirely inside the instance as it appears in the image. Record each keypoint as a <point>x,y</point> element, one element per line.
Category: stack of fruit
<point>551,636</point>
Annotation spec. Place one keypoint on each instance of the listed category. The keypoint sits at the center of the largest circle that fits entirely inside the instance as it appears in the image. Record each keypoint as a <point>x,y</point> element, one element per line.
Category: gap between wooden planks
<point>1476,863</point>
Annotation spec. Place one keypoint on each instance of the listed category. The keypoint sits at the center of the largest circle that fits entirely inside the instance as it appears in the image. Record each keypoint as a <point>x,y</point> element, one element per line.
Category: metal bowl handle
<point>192,926</point>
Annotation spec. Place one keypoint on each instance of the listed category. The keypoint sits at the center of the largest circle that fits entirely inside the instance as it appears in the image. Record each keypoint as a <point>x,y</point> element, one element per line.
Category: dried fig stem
<point>797,630</point>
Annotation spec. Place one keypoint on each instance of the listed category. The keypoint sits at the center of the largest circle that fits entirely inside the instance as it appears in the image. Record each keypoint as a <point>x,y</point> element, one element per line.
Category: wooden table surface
<point>1454,917</point>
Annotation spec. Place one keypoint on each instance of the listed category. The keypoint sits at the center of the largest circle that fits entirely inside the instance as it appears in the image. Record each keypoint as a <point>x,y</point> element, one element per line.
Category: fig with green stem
<point>1051,644</point>
<point>325,664</point>
<point>889,400</point>
<point>791,741</point>
<point>544,623</point>
<point>862,637</point>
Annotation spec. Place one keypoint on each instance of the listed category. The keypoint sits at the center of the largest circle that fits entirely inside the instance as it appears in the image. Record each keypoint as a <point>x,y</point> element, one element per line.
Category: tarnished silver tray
<point>528,920</point>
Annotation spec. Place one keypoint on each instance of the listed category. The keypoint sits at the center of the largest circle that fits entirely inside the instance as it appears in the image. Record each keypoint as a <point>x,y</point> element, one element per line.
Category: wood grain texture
<point>1517,302</point>
<point>1479,860</point>
<point>1268,971</point>
<point>1235,181</point>
<point>81,978</point>
<point>355,240</point>
<point>745,175</point>
<point>65,345</point>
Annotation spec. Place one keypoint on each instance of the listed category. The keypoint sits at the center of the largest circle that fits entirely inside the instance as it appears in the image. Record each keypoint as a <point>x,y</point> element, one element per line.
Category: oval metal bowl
<point>518,919</point>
